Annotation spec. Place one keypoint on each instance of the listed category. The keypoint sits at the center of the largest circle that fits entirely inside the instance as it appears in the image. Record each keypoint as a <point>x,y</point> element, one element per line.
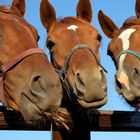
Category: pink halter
<point>12,63</point>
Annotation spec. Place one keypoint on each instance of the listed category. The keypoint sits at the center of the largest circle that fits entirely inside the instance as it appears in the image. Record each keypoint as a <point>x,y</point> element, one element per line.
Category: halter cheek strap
<point>12,63</point>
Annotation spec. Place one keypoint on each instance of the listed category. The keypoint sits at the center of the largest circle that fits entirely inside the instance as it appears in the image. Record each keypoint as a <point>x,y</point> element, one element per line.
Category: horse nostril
<point>136,76</point>
<point>36,86</point>
<point>79,79</point>
<point>136,72</point>
<point>80,84</point>
<point>36,78</point>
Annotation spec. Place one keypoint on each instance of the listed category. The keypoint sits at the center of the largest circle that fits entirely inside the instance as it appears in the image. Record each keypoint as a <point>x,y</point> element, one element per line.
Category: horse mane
<point>69,20</point>
<point>131,21</point>
<point>9,9</point>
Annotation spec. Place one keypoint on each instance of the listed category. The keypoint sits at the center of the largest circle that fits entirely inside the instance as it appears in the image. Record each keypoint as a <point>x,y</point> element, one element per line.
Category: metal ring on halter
<point>134,53</point>
<point>1,70</point>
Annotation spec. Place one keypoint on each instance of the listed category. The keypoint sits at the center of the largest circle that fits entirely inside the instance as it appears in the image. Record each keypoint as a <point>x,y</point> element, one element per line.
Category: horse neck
<point>56,135</point>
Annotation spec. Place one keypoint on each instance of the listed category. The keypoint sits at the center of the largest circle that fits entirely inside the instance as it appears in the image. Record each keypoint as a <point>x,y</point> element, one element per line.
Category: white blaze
<point>72,27</point>
<point>122,76</point>
<point>124,36</point>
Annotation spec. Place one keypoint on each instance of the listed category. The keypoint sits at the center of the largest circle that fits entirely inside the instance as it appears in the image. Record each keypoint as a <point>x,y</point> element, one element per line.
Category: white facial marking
<point>124,36</point>
<point>72,27</point>
<point>122,76</point>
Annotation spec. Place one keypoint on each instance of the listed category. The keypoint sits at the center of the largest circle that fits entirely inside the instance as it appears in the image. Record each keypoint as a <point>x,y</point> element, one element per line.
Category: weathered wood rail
<point>100,121</point>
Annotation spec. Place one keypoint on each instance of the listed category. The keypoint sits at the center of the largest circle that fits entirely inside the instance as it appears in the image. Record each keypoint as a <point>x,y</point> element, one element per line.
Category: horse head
<point>29,83</point>
<point>74,49</point>
<point>125,51</point>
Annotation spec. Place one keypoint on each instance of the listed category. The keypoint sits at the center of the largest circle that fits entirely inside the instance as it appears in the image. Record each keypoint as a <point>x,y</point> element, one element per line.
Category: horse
<point>125,53</point>
<point>74,51</point>
<point>74,48</point>
<point>28,82</point>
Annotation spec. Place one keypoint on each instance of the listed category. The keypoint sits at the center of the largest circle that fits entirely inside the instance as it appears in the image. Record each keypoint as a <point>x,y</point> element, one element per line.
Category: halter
<point>63,71</point>
<point>12,63</point>
<point>134,53</point>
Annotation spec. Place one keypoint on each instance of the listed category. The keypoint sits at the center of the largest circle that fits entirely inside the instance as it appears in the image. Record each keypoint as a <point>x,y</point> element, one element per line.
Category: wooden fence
<point>86,122</point>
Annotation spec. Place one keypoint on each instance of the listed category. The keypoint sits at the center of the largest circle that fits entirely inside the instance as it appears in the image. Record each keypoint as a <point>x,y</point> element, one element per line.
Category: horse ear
<point>137,8</point>
<point>47,14</point>
<point>19,5</point>
<point>107,25</point>
<point>84,10</point>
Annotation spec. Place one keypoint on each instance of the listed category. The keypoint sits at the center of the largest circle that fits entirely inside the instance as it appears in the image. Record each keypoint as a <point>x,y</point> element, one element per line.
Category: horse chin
<point>29,110</point>
<point>131,95</point>
<point>132,100</point>
<point>95,104</point>
<point>137,105</point>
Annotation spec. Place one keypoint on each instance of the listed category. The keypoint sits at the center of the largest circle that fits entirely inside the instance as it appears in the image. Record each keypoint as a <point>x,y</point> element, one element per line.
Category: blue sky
<point>118,10</point>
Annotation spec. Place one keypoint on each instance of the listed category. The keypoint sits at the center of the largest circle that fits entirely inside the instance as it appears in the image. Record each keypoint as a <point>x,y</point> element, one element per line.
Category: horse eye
<point>50,44</point>
<point>38,37</point>
<point>99,38</point>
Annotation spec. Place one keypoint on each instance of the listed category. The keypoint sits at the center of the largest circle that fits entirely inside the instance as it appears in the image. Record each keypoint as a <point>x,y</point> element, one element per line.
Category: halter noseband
<point>12,63</point>
<point>134,53</point>
<point>63,71</point>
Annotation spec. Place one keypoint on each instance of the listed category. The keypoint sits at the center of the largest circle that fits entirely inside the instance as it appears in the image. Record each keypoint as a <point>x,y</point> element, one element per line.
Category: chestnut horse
<point>74,48</point>
<point>29,83</point>
<point>125,51</point>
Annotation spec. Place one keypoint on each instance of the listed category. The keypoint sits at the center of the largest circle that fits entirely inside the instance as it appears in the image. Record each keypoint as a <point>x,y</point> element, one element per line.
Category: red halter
<point>12,63</point>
